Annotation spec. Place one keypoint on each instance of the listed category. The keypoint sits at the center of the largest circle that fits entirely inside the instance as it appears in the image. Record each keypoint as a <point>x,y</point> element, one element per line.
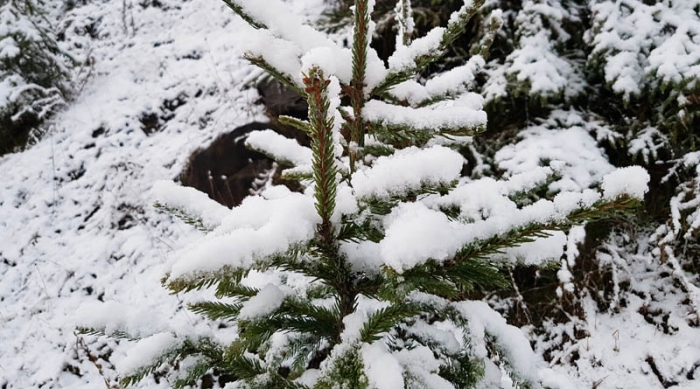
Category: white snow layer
<point>264,303</point>
<point>632,181</point>
<point>415,233</point>
<point>407,170</point>
<point>76,221</point>
<point>146,351</point>
<point>428,118</point>
<point>189,200</point>
<point>255,229</point>
<point>280,147</point>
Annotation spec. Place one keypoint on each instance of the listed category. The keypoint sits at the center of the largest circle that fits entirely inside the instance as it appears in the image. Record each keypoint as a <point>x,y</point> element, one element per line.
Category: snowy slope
<point>76,222</point>
<point>77,225</point>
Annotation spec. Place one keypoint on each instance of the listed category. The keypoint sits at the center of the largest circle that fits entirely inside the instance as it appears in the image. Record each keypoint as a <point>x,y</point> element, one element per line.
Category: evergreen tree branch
<point>484,47</point>
<point>356,90</point>
<point>194,221</point>
<point>216,310</point>
<point>401,136</point>
<point>455,28</point>
<point>404,19</point>
<point>324,165</point>
<point>279,75</point>
<point>188,347</point>
<point>385,319</point>
<point>384,205</point>
<point>238,9</point>
<point>299,124</point>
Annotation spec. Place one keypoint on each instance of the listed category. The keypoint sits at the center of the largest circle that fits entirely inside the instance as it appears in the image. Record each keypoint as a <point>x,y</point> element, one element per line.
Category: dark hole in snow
<point>73,370</point>
<point>7,261</point>
<point>76,173</point>
<point>158,44</point>
<point>126,222</point>
<point>101,297</point>
<point>225,379</point>
<point>691,371</point>
<point>99,131</point>
<point>279,100</point>
<point>226,170</point>
<point>150,123</point>
<point>89,290</point>
<point>194,56</point>
<point>207,382</point>
<point>177,102</point>
<point>151,3</point>
<point>129,216</point>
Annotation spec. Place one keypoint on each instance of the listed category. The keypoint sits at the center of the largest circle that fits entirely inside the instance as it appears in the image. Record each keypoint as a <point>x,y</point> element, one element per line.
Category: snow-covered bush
<point>33,72</point>
<point>363,280</point>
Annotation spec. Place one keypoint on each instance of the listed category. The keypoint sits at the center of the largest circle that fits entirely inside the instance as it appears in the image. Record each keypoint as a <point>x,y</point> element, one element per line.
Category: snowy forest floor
<point>77,223</point>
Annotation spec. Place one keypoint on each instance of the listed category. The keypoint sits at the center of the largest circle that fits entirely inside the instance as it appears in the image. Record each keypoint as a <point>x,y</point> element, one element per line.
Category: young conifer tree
<point>366,274</point>
<point>33,71</point>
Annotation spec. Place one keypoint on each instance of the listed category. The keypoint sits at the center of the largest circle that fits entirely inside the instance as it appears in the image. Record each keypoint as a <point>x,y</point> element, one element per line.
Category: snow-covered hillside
<point>76,222</point>
<point>79,236</point>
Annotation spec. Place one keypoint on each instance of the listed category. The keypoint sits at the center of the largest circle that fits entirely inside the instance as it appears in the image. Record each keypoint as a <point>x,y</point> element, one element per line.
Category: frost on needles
<point>362,280</point>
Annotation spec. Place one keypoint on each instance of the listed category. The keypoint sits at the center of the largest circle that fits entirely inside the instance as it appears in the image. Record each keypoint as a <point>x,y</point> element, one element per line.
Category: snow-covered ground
<point>77,223</point>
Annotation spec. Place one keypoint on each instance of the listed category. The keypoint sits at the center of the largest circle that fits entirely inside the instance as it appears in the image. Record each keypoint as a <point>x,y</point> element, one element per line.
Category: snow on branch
<point>190,202</point>
<point>409,59</point>
<point>275,16</point>
<point>630,181</point>
<point>408,170</point>
<point>450,83</point>
<point>416,233</point>
<point>464,117</point>
<point>255,230</point>
<point>284,150</point>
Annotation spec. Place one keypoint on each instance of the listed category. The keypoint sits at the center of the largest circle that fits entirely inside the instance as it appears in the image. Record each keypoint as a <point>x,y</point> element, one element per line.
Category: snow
<point>189,200</point>
<point>267,301</point>
<point>510,340</point>
<point>632,181</point>
<point>281,148</point>
<point>113,318</point>
<point>146,351</point>
<point>407,170</point>
<point>584,164</point>
<point>415,234</point>
<point>383,371</point>
<point>404,57</point>
<point>62,202</point>
<point>642,41</point>
<point>254,230</point>
<point>452,82</point>
<point>426,119</point>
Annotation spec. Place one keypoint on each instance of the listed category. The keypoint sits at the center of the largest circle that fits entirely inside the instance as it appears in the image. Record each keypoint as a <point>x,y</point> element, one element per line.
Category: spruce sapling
<point>367,273</point>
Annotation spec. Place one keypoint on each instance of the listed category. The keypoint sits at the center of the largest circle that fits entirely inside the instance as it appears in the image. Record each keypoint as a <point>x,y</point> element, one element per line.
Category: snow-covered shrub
<point>649,54</point>
<point>33,72</point>
<point>363,280</point>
